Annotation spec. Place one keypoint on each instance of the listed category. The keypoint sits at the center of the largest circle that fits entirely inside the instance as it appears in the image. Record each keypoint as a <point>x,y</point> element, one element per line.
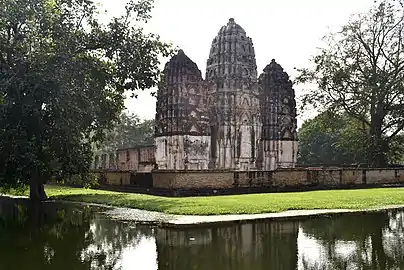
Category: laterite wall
<point>279,178</point>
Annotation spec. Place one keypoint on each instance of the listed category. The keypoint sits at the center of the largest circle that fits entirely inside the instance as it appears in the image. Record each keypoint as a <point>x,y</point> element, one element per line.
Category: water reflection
<point>57,236</point>
<point>247,246</point>
<point>360,241</point>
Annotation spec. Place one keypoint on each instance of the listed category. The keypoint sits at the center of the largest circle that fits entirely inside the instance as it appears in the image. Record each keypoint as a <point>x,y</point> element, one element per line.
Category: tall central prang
<point>233,101</point>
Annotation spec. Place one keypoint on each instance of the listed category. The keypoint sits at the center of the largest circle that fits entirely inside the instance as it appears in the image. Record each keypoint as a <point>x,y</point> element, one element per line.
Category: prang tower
<point>232,119</point>
<point>233,102</point>
<point>279,144</point>
<point>182,133</point>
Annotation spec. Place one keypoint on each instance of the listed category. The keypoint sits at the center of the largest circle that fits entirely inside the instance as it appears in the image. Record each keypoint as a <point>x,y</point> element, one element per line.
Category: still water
<point>56,236</point>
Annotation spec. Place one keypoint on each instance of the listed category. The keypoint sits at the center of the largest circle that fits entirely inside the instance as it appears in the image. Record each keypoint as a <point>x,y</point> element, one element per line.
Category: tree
<point>378,235</point>
<point>332,139</point>
<point>361,72</point>
<point>61,236</point>
<point>63,77</point>
<point>335,139</point>
<point>129,132</point>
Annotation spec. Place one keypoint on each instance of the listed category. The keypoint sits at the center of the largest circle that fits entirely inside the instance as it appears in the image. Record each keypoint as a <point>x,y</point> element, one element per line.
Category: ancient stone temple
<point>278,117</point>
<point>182,134</point>
<point>231,119</point>
<point>231,75</point>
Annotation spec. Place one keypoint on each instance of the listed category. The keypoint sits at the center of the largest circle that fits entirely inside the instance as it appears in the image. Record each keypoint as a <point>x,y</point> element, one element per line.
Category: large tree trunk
<point>377,151</point>
<point>379,160</point>
<point>37,190</point>
<point>378,154</point>
<point>378,148</point>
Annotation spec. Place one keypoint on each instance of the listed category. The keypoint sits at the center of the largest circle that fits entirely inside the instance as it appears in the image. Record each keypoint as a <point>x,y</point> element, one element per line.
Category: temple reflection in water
<point>65,237</point>
<point>246,246</point>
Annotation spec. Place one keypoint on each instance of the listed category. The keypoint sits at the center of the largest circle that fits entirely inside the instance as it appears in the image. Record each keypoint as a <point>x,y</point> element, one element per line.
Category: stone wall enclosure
<point>276,179</point>
<point>295,179</point>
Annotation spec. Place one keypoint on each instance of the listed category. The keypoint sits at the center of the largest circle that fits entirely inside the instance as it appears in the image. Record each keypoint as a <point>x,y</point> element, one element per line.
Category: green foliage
<point>335,139</point>
<point>130,131</point>
<point>367,234</point>
<point>86,181</point>
<point>50,232</point>
<point>64,237</point>
<point>396,150</point>
<point>63,76</point>
<point>332,139</point>
<point>361,72</point>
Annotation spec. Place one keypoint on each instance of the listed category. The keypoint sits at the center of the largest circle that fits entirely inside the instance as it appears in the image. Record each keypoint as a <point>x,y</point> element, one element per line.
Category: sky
<point>289,31</point>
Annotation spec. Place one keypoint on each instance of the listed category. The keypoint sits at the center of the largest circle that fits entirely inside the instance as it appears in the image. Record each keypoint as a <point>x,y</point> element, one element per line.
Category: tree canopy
<point>339,139</point>
<point>330,139</point>
<point>129,132</point>
<point>360,72</point>
<point>63,78</point>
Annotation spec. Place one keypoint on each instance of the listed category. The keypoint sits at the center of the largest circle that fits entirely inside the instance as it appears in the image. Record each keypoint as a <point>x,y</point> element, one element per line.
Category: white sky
<point>287,30</point>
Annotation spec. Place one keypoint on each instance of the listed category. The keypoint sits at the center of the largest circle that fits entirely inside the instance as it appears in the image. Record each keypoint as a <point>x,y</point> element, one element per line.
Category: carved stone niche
<point>286,133</point>
<point>286,109</point>
<point>196,147</point>
<point>288,127</point>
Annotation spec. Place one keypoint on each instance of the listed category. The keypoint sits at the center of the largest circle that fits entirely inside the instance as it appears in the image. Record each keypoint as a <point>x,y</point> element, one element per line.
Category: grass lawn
<point>236,204</point>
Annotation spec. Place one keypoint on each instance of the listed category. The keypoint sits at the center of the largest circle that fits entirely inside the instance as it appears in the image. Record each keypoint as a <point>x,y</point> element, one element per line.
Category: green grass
<point>236,204</point>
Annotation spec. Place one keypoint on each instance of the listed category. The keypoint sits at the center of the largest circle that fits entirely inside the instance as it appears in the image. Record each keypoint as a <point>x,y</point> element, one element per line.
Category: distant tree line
<point>338,139</point>
<point>128,132</point>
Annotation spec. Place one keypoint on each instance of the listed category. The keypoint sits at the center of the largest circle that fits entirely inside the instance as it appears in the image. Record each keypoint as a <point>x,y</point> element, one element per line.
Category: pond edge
<point>186,221</point>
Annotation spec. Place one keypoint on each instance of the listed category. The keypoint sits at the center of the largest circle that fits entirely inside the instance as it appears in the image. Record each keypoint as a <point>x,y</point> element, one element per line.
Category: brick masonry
<point>279,178</point>
<point>114,178</point>
<point>228,179</point>
<point>209,179</point>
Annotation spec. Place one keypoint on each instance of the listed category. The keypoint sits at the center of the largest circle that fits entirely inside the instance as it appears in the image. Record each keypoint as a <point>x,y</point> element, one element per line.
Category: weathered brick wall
<point>122,160</point>
<point>136,159</point>
<point>400,176</point>
<point>259,179</point>
<point>193,179</point>
<point>282,178</point>
<point>133,163</point>
<point>205,180</point>
<point>164,180</point>
<point>242,179</point>
<point>226,179</point>
<point>352,177</point>
<point>380,176</point>
<point>146,154</point>
<point>117,178</point>
<point>325,177</point>
<point>145,168</point>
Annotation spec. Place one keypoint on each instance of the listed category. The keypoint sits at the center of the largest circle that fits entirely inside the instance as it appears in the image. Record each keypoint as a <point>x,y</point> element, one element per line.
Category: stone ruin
<point>232,119</point>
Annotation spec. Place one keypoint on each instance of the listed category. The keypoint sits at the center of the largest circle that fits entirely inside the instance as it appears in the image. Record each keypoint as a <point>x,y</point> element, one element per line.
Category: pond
<point>60,236</point>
